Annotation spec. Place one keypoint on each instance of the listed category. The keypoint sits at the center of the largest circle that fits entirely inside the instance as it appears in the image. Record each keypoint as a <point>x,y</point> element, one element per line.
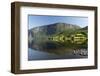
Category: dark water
<point>40,55</point>
<point>42,49</point>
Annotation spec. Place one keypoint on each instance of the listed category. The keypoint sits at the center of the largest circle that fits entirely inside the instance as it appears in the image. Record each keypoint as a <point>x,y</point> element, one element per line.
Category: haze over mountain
<point>85,28</point>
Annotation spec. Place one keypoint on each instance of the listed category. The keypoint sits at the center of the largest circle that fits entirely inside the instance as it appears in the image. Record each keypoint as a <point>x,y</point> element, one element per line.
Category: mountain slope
<point>54,28</point>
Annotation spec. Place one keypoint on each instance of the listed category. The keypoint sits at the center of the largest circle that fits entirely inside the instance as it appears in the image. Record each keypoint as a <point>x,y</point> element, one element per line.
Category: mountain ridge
<point>58,24</point>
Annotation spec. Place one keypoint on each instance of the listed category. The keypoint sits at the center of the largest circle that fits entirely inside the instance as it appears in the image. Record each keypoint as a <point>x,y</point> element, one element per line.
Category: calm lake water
<point>41,55</point>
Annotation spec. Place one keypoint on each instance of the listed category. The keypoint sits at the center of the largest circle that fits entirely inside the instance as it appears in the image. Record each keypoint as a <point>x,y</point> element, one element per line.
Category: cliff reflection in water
<point>57,41</point>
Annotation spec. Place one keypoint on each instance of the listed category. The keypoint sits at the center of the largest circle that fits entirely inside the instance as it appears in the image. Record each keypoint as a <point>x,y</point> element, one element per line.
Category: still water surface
<point>41,55</point>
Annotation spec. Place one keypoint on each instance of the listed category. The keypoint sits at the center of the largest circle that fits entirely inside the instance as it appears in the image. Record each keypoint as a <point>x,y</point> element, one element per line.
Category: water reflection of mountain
<point>58,38</point>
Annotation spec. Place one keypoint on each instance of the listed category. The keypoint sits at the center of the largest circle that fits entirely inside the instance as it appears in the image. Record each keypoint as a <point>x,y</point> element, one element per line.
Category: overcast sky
<point>36,20</point>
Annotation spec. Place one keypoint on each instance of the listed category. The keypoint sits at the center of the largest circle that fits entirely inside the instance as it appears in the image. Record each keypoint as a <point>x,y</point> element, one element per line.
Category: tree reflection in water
<point>61,45</point>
